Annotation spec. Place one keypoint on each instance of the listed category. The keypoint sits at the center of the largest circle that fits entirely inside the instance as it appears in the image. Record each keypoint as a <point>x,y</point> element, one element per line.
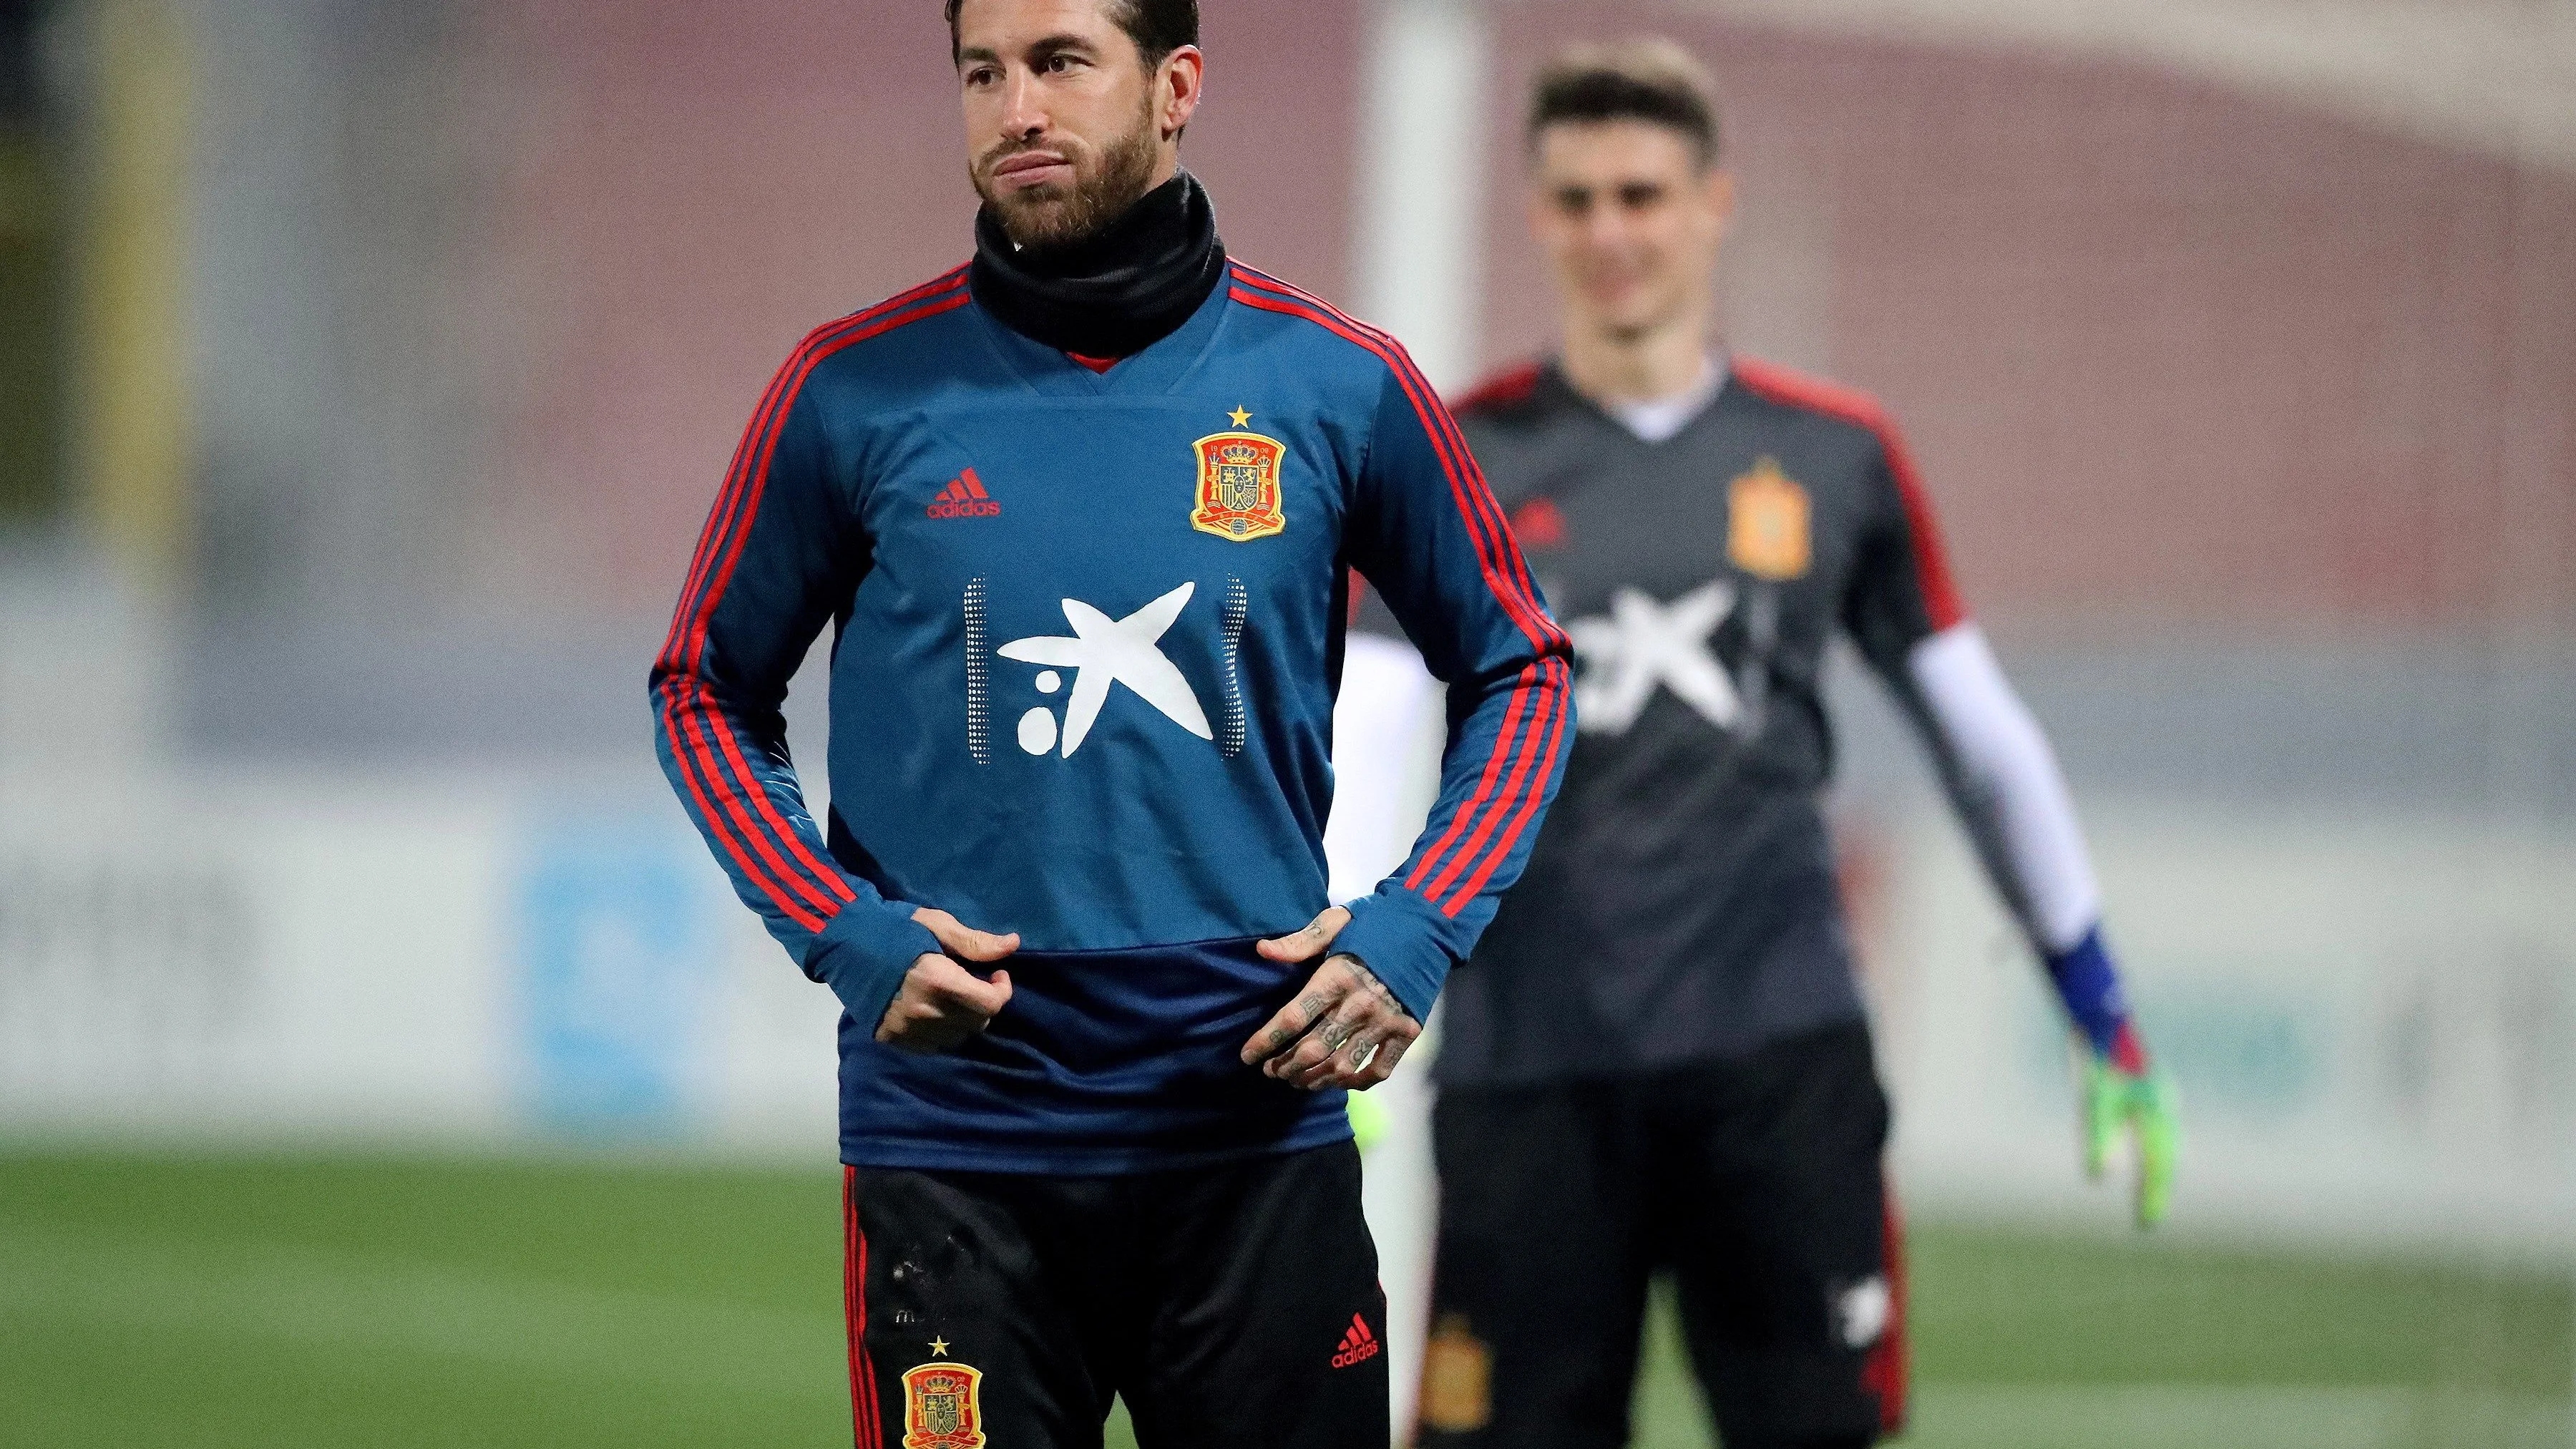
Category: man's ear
<point>1534,211</point>
<point>1721,198</point>
<point>1179,82</point>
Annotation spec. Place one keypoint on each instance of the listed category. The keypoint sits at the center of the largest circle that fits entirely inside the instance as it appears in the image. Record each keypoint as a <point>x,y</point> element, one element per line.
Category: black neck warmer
<point>1114,293</point>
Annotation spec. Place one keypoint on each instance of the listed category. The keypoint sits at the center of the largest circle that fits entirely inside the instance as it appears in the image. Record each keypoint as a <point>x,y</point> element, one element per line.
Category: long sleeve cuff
<point>2089,986</point>
<point>863,953</point>
<point>1399,936</point>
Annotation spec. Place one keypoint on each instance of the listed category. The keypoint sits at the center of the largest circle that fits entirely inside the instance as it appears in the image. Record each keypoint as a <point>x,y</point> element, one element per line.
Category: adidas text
<point>964,497</point>
<point>1358,1345</point>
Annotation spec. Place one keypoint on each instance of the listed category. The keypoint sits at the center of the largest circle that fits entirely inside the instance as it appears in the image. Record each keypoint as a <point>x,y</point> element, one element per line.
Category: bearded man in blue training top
<point>1082,515</point>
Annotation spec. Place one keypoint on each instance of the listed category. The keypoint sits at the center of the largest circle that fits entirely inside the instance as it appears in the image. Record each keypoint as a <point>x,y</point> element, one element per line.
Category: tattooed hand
<point>1344,1030</point>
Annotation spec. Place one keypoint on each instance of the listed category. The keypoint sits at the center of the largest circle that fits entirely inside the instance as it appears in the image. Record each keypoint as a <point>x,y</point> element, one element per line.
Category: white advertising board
<point>287,956</point>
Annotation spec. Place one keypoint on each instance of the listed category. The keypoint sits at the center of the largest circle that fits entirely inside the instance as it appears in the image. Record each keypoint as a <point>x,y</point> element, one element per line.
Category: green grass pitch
<point>387,1300</point>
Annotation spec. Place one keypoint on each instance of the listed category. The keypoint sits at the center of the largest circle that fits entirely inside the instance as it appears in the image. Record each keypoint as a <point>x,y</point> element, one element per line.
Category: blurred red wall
<point>2172,357</point>
<point>2176,360</point>
<point>690,187</point>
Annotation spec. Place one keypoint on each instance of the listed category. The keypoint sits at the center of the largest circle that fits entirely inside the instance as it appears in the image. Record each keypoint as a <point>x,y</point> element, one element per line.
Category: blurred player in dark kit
<point>1657,1058</point>
<point>1082,516</point>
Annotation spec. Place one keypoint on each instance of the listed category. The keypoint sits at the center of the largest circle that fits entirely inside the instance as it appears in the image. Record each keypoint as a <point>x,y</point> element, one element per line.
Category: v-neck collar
<point>1553,375</point>
<point>1160,368</point>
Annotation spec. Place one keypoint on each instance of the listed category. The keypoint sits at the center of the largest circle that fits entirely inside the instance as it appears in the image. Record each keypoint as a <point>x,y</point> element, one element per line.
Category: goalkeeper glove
<point>2122,1095</point>
<point>2137,1104</point>
<point>1368,1120</point>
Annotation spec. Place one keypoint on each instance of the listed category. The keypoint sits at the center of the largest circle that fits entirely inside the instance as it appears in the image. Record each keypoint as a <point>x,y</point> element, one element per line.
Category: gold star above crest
<point>939,1348</point>
<point>1241,418</point>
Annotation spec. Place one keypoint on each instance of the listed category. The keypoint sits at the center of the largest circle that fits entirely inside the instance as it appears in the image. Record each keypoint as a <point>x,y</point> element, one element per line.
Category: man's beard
<point>1044,217</point>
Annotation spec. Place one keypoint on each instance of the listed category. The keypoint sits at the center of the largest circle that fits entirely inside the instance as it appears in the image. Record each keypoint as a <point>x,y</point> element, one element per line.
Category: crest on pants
<point>1457,1378</point>
<point>943,1407</point>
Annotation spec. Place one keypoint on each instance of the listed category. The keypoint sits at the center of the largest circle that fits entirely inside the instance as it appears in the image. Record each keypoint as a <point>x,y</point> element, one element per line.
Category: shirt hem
<point>1086,1162</point>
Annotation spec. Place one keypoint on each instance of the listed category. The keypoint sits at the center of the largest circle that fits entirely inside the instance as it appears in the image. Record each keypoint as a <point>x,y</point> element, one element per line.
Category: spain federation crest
<point>1457,1394</point>
<point>943,1407</point>
<point>1238,484</point>
<point>1768,527</point>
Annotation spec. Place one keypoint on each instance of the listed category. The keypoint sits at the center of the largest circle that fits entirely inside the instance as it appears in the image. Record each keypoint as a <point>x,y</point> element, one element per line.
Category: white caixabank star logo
<point>1101,652</point>
<point>1104,652</point>
<point>1642,645</point>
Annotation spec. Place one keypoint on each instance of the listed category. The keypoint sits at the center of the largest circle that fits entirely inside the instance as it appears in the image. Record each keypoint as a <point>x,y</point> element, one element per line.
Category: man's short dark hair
<point>1158,27</point>
<point>1652,80</point>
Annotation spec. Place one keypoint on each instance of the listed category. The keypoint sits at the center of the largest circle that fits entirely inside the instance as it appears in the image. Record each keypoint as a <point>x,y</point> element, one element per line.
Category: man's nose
<point>1024,116</point>
<point>1604,226</point>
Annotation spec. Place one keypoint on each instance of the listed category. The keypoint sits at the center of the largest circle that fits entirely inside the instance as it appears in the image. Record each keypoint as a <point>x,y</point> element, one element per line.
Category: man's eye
<point>1574,203</point>
<point>980,76</point>
<point>1059,64</point>
<point>1638,198</point>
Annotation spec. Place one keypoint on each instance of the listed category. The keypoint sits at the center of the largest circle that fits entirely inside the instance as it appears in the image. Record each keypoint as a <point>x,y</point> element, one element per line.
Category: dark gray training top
<point>1681,903</point>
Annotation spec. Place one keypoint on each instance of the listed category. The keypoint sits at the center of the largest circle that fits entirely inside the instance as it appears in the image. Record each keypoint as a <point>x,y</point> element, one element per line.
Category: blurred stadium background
<point>382,1061</point>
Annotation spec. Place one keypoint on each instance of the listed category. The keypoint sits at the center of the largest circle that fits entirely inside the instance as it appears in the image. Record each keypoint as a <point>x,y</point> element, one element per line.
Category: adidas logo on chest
<point>964,497</point>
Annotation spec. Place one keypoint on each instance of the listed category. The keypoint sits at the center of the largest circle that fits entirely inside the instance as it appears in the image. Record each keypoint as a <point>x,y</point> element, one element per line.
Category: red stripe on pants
<point>865,1430</point>
<point>1885,1371</point>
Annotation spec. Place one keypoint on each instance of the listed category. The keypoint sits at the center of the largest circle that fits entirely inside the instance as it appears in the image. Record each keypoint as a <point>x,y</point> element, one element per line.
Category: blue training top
<point>1088,632</point>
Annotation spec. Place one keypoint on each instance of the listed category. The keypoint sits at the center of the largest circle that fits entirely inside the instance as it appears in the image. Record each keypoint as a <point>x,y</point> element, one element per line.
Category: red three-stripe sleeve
<point>1424,530</point>
<point>777,551</point>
